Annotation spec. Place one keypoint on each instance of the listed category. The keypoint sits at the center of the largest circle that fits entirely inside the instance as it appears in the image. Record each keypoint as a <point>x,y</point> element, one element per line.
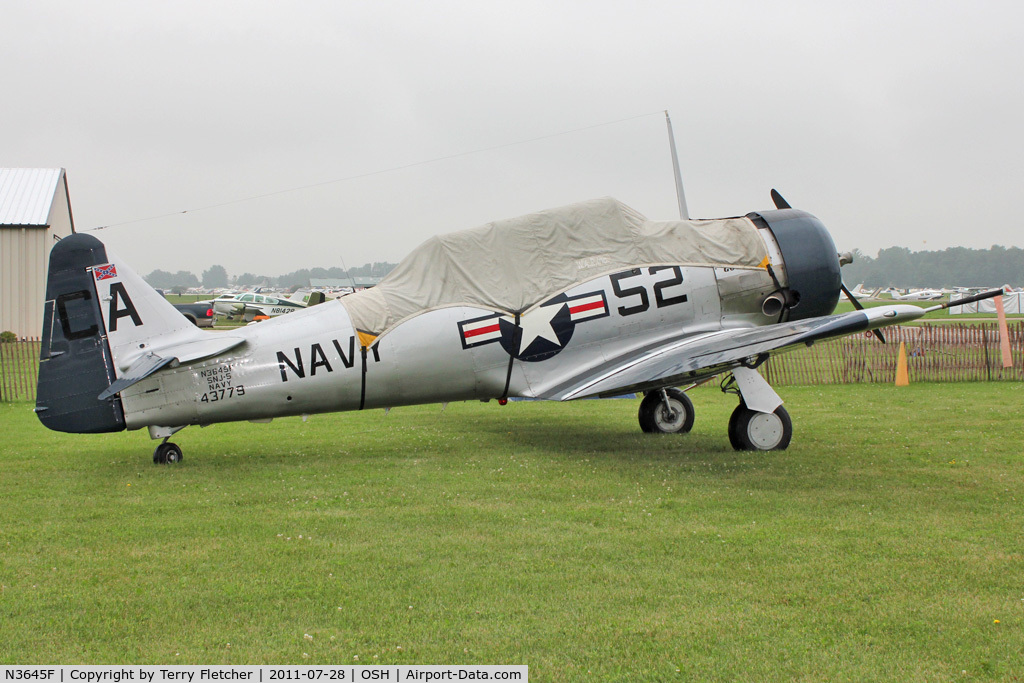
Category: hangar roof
<point>26,195</point>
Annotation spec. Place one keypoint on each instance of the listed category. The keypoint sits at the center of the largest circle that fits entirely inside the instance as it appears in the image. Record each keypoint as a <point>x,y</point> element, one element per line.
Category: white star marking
<point>537,324</point>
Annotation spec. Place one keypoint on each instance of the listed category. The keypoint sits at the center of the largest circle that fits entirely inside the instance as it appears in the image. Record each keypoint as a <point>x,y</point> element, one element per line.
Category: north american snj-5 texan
<point>590,299</point>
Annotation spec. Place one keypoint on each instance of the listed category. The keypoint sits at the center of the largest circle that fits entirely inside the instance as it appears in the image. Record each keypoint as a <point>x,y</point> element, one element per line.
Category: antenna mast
<point>684,213</point>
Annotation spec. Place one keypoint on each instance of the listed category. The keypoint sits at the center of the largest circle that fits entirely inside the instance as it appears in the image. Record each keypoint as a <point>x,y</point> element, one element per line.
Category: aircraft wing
<point>683,360</point>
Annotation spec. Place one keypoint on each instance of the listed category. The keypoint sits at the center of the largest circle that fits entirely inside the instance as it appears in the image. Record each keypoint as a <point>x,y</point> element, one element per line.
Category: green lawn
<point>886,544</point>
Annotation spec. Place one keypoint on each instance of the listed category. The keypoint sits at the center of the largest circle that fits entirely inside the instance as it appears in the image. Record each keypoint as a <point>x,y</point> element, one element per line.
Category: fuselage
<point>111,337</point>
<point>314,361</point>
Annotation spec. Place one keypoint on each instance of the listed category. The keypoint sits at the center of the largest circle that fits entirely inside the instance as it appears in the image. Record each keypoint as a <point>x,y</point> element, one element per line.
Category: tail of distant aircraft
<point>100,322</point>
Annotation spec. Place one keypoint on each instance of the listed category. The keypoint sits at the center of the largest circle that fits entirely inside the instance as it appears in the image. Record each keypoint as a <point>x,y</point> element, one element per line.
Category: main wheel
<point>750,430</point>
<point>657,416</point>
<point>167,453</point>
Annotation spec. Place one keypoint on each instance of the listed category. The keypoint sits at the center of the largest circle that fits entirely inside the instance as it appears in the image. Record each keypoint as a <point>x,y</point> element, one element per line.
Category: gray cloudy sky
<point>896,123</point>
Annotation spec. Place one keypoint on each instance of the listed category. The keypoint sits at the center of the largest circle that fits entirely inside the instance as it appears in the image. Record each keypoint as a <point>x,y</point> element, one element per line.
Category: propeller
<point>781,203</point>
<point>860,307</point>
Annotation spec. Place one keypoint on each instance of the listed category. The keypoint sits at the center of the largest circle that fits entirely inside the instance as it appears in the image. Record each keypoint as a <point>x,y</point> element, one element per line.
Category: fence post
<point>5,365</point>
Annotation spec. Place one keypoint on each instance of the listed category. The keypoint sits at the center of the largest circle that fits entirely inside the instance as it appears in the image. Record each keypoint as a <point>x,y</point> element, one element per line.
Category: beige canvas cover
<point>512,264</point>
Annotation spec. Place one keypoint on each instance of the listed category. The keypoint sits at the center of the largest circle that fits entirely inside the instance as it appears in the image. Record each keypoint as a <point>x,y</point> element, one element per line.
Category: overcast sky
<point>896,123</point>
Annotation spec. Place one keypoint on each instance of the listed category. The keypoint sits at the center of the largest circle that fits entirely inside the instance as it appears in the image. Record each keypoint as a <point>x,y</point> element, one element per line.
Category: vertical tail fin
<point>100,316</point>
<point>75,363</point>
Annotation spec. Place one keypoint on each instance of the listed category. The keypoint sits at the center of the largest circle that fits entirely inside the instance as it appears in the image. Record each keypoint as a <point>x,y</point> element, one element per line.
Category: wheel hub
<point>765,431</point>
<point>669,417</point>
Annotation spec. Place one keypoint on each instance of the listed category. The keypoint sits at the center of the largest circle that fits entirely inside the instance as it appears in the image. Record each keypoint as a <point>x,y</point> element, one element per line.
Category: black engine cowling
<point>811,261</point>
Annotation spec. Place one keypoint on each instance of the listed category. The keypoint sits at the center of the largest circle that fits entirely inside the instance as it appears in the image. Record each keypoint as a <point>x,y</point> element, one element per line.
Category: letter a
<point>119,294</point>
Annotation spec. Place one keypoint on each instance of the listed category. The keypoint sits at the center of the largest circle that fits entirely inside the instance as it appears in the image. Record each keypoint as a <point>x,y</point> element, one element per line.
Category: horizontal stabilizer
<point>140,370</point>
<point>155,359</point>
<point>187,351</point>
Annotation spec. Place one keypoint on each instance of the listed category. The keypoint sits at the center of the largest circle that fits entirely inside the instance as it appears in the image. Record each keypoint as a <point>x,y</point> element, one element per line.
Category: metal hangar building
<point>35,212</point>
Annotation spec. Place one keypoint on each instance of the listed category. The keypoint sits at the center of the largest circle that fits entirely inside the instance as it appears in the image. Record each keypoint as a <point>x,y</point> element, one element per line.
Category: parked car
<point>199,313</point>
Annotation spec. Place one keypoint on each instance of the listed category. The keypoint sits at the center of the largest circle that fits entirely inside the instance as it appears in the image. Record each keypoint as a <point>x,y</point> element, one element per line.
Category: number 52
<point>660,286</point>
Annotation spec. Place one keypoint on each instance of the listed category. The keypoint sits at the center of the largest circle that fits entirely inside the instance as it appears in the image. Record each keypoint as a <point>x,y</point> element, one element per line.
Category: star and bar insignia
<point>541,333</point>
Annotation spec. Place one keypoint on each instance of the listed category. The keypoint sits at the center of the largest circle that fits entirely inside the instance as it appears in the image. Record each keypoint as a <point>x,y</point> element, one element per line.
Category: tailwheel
<point>166,453</point>
<point>750,430</point>
<point>666,411</point>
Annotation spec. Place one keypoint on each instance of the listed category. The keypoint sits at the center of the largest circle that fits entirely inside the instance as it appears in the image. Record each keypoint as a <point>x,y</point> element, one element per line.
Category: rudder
<point>75,363</point>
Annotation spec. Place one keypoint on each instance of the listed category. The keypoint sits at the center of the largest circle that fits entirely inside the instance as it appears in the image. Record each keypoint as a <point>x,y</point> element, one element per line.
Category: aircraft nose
<point>810,258</point>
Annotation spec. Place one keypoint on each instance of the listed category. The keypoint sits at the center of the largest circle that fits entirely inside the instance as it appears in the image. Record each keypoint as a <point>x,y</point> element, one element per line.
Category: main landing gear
<point>750,430</point>
<point>666,411</point>
<point>766,428</point>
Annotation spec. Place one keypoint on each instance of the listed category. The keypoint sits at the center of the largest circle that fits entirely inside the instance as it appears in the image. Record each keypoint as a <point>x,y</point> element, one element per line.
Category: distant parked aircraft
<point>860,292</point>
<point>917,295</point>
<point>249,305</point>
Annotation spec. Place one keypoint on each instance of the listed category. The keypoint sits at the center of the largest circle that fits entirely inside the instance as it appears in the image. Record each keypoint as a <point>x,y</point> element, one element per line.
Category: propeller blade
<point>780,203</point>
<point>853,300</point>
<point>860,307</point>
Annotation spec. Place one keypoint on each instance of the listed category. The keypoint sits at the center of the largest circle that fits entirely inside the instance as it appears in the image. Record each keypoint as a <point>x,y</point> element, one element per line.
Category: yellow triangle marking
<point>366,338</point>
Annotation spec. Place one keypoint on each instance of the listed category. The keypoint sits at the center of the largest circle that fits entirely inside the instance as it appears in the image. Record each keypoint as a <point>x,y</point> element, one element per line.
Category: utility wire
<point>379,172</point>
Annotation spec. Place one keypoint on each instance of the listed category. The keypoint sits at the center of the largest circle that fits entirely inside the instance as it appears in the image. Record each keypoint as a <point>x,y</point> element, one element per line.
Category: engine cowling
<point>810,261</point>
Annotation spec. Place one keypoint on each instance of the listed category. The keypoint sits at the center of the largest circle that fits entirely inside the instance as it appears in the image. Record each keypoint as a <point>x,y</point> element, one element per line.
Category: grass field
<point>886,544</point>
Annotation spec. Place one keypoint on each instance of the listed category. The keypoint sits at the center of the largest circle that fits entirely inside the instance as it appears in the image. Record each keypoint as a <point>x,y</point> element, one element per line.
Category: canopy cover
<point>513,264</point>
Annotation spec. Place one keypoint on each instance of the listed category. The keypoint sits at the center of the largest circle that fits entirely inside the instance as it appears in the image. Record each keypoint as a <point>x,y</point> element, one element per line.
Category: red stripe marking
<point>586,307</point>
<point>480,330</point>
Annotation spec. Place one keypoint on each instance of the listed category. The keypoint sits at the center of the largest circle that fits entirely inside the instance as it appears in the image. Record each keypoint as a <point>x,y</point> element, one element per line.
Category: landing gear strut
<point>166,453</point>
<point>666,411</point>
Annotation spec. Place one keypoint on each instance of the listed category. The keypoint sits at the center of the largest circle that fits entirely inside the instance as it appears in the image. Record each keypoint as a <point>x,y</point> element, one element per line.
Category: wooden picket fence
<point>955,352</point>
<point>19,369</point>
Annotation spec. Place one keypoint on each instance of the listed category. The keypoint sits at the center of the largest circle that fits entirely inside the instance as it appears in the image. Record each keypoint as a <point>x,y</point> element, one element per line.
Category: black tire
<point>656,418</point>
<point>167,453</point>
<point>734,434</point>
<point>750,430</point>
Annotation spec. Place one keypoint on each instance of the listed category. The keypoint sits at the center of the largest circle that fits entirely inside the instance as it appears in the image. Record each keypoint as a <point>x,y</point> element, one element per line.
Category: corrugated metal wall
<point>24,258</point>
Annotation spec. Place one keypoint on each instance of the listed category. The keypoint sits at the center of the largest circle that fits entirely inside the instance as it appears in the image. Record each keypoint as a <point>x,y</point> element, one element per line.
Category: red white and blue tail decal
<point>104,272</point>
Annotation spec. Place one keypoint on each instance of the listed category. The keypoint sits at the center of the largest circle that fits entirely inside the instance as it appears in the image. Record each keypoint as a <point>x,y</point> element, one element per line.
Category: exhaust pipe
<point>772,305</point>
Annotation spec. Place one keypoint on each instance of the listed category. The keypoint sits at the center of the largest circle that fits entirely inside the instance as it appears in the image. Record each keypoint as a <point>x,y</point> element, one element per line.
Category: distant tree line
<point>217,276</point>
<point>956,266</point>
<point>172,282</point>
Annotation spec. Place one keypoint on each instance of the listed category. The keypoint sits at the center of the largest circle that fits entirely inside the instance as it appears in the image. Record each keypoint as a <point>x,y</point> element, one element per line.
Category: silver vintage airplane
<point>591,299</point>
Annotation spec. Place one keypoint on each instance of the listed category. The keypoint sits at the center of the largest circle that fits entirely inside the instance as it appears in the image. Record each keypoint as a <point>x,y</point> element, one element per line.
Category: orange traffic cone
<point>902,376</point>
